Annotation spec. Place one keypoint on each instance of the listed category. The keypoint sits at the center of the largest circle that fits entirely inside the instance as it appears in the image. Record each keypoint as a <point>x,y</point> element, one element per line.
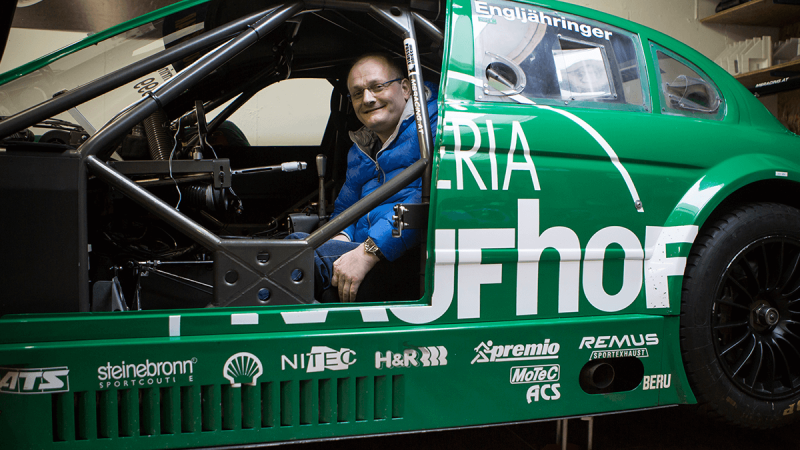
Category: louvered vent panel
<point>174,410</point>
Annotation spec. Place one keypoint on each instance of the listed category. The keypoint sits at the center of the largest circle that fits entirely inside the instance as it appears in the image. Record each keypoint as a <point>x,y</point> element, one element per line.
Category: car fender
<point>704,197</point>
<point>724,179</point>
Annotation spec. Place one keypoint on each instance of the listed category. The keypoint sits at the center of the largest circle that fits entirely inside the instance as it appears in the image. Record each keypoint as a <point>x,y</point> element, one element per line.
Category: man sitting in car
<point>385,146</point>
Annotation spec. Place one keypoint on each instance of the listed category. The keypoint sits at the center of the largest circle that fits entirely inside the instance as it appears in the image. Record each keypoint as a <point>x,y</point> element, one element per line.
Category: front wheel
<point>740,316</point>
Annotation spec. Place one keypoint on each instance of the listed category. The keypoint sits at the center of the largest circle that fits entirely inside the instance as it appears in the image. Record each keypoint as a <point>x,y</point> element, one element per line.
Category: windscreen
<point>94,61</point>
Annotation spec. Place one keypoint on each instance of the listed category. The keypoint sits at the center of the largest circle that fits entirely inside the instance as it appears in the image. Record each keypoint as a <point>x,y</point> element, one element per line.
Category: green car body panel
<point>545,251</point>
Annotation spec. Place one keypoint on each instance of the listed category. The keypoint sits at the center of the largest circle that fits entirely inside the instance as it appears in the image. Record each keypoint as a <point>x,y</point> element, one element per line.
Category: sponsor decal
<point>412,357</point>
<point>146,85</point>
<point>411,49</point>
<point>535,374</point>
<point>634,352</point>
<point>460,268</point>
<point>619,346</point>
<point>320,359</point>
<point>486,13</point>
<point>543,391</point>
<point>147,373</point>
<point>34,381</point>
<point>645,267</point>
<point>489,352</point>
<point>661,381</point>
<point>242,368</point>
<point>791,409</point>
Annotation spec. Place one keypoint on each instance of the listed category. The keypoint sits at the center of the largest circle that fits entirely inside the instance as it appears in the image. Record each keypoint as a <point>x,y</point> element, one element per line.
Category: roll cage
<point>243,268</point>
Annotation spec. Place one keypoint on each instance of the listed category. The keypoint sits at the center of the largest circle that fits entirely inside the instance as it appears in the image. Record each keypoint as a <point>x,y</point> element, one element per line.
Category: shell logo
<point>241,368</point>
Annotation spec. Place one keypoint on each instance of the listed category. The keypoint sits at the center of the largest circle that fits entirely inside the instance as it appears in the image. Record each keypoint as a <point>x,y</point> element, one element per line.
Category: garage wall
<point>680,19</point>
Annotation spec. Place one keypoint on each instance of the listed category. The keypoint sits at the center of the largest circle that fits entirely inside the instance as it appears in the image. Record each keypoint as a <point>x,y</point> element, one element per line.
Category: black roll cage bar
<point>254,271</point>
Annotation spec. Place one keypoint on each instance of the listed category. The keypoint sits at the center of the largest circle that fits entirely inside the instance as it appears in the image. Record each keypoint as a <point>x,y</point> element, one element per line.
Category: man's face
<point>379,112</point>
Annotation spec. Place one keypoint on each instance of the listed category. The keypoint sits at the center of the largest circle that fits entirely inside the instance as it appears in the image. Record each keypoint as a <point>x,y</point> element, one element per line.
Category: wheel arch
<point>785,192</point>
<point>742,179</point>
<point>735,182</point>
<point>738,181</point>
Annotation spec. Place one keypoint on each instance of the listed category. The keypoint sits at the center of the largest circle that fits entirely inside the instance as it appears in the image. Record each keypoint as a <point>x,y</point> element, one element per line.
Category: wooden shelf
<point>757,12</point>
<point>751,79</point>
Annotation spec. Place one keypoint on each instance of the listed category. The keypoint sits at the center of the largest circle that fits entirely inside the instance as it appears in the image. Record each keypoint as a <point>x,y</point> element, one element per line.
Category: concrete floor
<point>676,428</point>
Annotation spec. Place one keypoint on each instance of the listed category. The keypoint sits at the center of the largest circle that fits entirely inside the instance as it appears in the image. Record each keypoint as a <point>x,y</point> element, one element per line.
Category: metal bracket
<point>409,216</point>
<point>259,273</point>
<point>397,18</point>
<point>562,432</point>
<point>148,267</point>
<point>220,169</point>
<point>202,127</point>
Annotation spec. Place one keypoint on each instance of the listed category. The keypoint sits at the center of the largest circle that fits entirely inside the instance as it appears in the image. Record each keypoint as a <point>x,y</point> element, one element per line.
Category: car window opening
<point>555,58</point>
<point>214,155</point>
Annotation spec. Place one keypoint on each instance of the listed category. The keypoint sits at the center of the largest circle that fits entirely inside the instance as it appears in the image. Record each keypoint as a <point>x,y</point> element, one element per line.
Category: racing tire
<point>740,316</point>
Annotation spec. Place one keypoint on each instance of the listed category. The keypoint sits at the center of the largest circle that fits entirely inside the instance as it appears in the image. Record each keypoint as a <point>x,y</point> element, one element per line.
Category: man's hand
<point>349,271</point>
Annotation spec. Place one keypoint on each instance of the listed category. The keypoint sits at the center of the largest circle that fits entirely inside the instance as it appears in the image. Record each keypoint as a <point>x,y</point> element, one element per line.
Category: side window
<point>528,53</point>
<point>685,90</point>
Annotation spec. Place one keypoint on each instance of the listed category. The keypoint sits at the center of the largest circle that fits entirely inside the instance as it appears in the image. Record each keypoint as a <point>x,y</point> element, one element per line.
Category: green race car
<point>609,221</point>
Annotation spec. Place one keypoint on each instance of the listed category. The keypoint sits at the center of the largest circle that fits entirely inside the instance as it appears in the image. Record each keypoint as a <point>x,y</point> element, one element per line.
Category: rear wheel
<point>740,316</point>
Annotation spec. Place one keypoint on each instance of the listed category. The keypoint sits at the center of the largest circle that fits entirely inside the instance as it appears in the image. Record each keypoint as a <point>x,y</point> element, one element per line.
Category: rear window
<point>685,90</point>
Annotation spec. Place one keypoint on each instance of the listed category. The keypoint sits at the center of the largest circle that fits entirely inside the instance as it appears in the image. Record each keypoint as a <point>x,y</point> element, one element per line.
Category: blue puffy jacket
<point>365,174</point>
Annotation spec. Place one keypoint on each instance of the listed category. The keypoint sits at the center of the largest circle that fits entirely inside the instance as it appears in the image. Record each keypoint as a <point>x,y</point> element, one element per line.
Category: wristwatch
<point>371,247</point>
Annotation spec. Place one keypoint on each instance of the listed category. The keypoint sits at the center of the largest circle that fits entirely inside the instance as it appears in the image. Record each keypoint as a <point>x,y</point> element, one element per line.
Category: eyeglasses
<point>375,89</point>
